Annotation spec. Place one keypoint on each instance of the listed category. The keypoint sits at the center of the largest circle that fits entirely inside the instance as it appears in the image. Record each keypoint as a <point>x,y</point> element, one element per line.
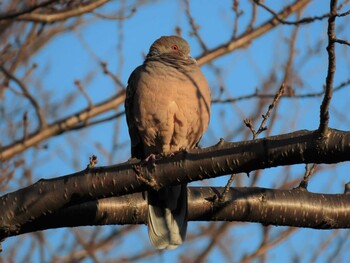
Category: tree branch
<point>29,9</point>
<point>257,95</point>
<point>324,109</point>
<point>295,207</point>
<point>293,23</point>
<point>61,126</point>
<point>39,112</point>
<point>60,16</point>
<point>69,123</point>
<point>47,196</point>
<point>247,37</point>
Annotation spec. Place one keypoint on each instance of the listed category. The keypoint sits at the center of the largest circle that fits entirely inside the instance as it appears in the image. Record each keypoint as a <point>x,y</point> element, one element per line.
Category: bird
<point>167,110</point>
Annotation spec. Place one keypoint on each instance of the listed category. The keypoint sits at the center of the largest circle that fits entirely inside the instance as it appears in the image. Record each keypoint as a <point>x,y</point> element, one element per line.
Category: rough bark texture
<point>47,196</point>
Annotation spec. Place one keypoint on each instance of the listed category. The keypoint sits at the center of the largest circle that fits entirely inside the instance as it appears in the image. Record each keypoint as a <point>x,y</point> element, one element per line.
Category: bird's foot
<point>150,159</point>
<point>147,178</point>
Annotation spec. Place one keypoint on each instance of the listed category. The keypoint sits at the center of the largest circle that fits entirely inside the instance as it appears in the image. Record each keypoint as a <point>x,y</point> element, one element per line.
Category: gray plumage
<point>167,109</point>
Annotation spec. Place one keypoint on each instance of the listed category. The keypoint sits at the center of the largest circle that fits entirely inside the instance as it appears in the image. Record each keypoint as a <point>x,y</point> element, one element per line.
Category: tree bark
<point>49,195</point>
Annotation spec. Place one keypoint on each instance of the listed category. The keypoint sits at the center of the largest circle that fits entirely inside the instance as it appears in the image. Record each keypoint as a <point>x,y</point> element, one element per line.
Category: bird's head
<point>172,46</point>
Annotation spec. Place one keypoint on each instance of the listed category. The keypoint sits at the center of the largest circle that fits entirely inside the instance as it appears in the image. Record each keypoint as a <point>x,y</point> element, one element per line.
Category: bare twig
<point>252,19</point>
<point>289,72</point>
<point>99,121</point>
<point>343,14</point>
<point>238,13</point>
<point>247,38</point>
<point>227,188</point>
<point>265,246</point>
<point>61,126</point>
<point>194,27</point>
<point>113,17</point>
<point>279,94</point>
<point>262,126</point>
<point>25,125</point>
<point>324,109</point>
<point>23,49</point>
<point>32,100</point>
<point>294,23</point>
<point>29,9</point>
<point>305,20</point>
<point>111,75</point>
<point>77,83</point>
<point>341,41</point>
<point>249,124</point>
<point>60,16</point>
<point>219,233</point>
<point>308,172</point>
<point>256,95</point>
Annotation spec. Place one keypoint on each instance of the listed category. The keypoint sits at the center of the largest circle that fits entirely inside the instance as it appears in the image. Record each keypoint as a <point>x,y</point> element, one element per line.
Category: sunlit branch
<point>324,109</point>
<point>60,16</point>
<point>61,126</point>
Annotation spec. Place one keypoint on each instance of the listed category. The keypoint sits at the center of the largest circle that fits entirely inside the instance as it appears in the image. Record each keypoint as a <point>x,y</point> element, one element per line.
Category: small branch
<point>111,75</point>
<point>308,172</point>
<point>324,109</point>
<point>341,41</point>
<point>77,83</point>
<point>29,9</point>
<point>227,188</point>
<point>238,13</point>
<point>252,19</point>
<point>256,95</point>
<point>247,37</point>
<point>32,100</point>
<point>262,126</point>
<point>294,23</point>
<point>250,126</point>
<point>112,17</point>
<point>25,125</point>
<point>99,121</point>
<point>219,233</point>
<point>195,27</point>
<point>60,16</point>
<point>266,246</point>
<point>61,126</point>
<point>343,14</point>
<point>289,71</point>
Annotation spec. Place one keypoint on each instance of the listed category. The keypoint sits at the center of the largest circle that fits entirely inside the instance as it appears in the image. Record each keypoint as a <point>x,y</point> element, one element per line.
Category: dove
<point>167,109</point>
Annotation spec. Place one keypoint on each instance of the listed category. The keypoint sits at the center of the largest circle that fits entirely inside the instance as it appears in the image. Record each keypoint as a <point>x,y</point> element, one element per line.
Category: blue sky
<point>76,55</point>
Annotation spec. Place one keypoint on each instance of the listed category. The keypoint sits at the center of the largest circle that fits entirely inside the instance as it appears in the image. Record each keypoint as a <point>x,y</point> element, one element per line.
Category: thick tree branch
<point>296,207</point>
<point>47,196</point>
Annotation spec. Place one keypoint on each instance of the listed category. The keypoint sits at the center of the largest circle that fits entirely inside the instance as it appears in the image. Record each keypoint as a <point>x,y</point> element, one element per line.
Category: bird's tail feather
<point>167,216</point>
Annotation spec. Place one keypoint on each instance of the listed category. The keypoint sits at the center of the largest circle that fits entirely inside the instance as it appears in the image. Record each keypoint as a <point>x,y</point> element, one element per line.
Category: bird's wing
<point>137,150</point>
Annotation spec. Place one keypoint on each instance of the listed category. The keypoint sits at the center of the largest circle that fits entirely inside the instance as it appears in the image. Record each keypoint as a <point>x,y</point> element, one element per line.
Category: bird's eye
<point>175,47</point>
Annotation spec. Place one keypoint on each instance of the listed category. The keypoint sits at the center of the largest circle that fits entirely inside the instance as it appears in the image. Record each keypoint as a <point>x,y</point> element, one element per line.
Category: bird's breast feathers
<point>172,107</point>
